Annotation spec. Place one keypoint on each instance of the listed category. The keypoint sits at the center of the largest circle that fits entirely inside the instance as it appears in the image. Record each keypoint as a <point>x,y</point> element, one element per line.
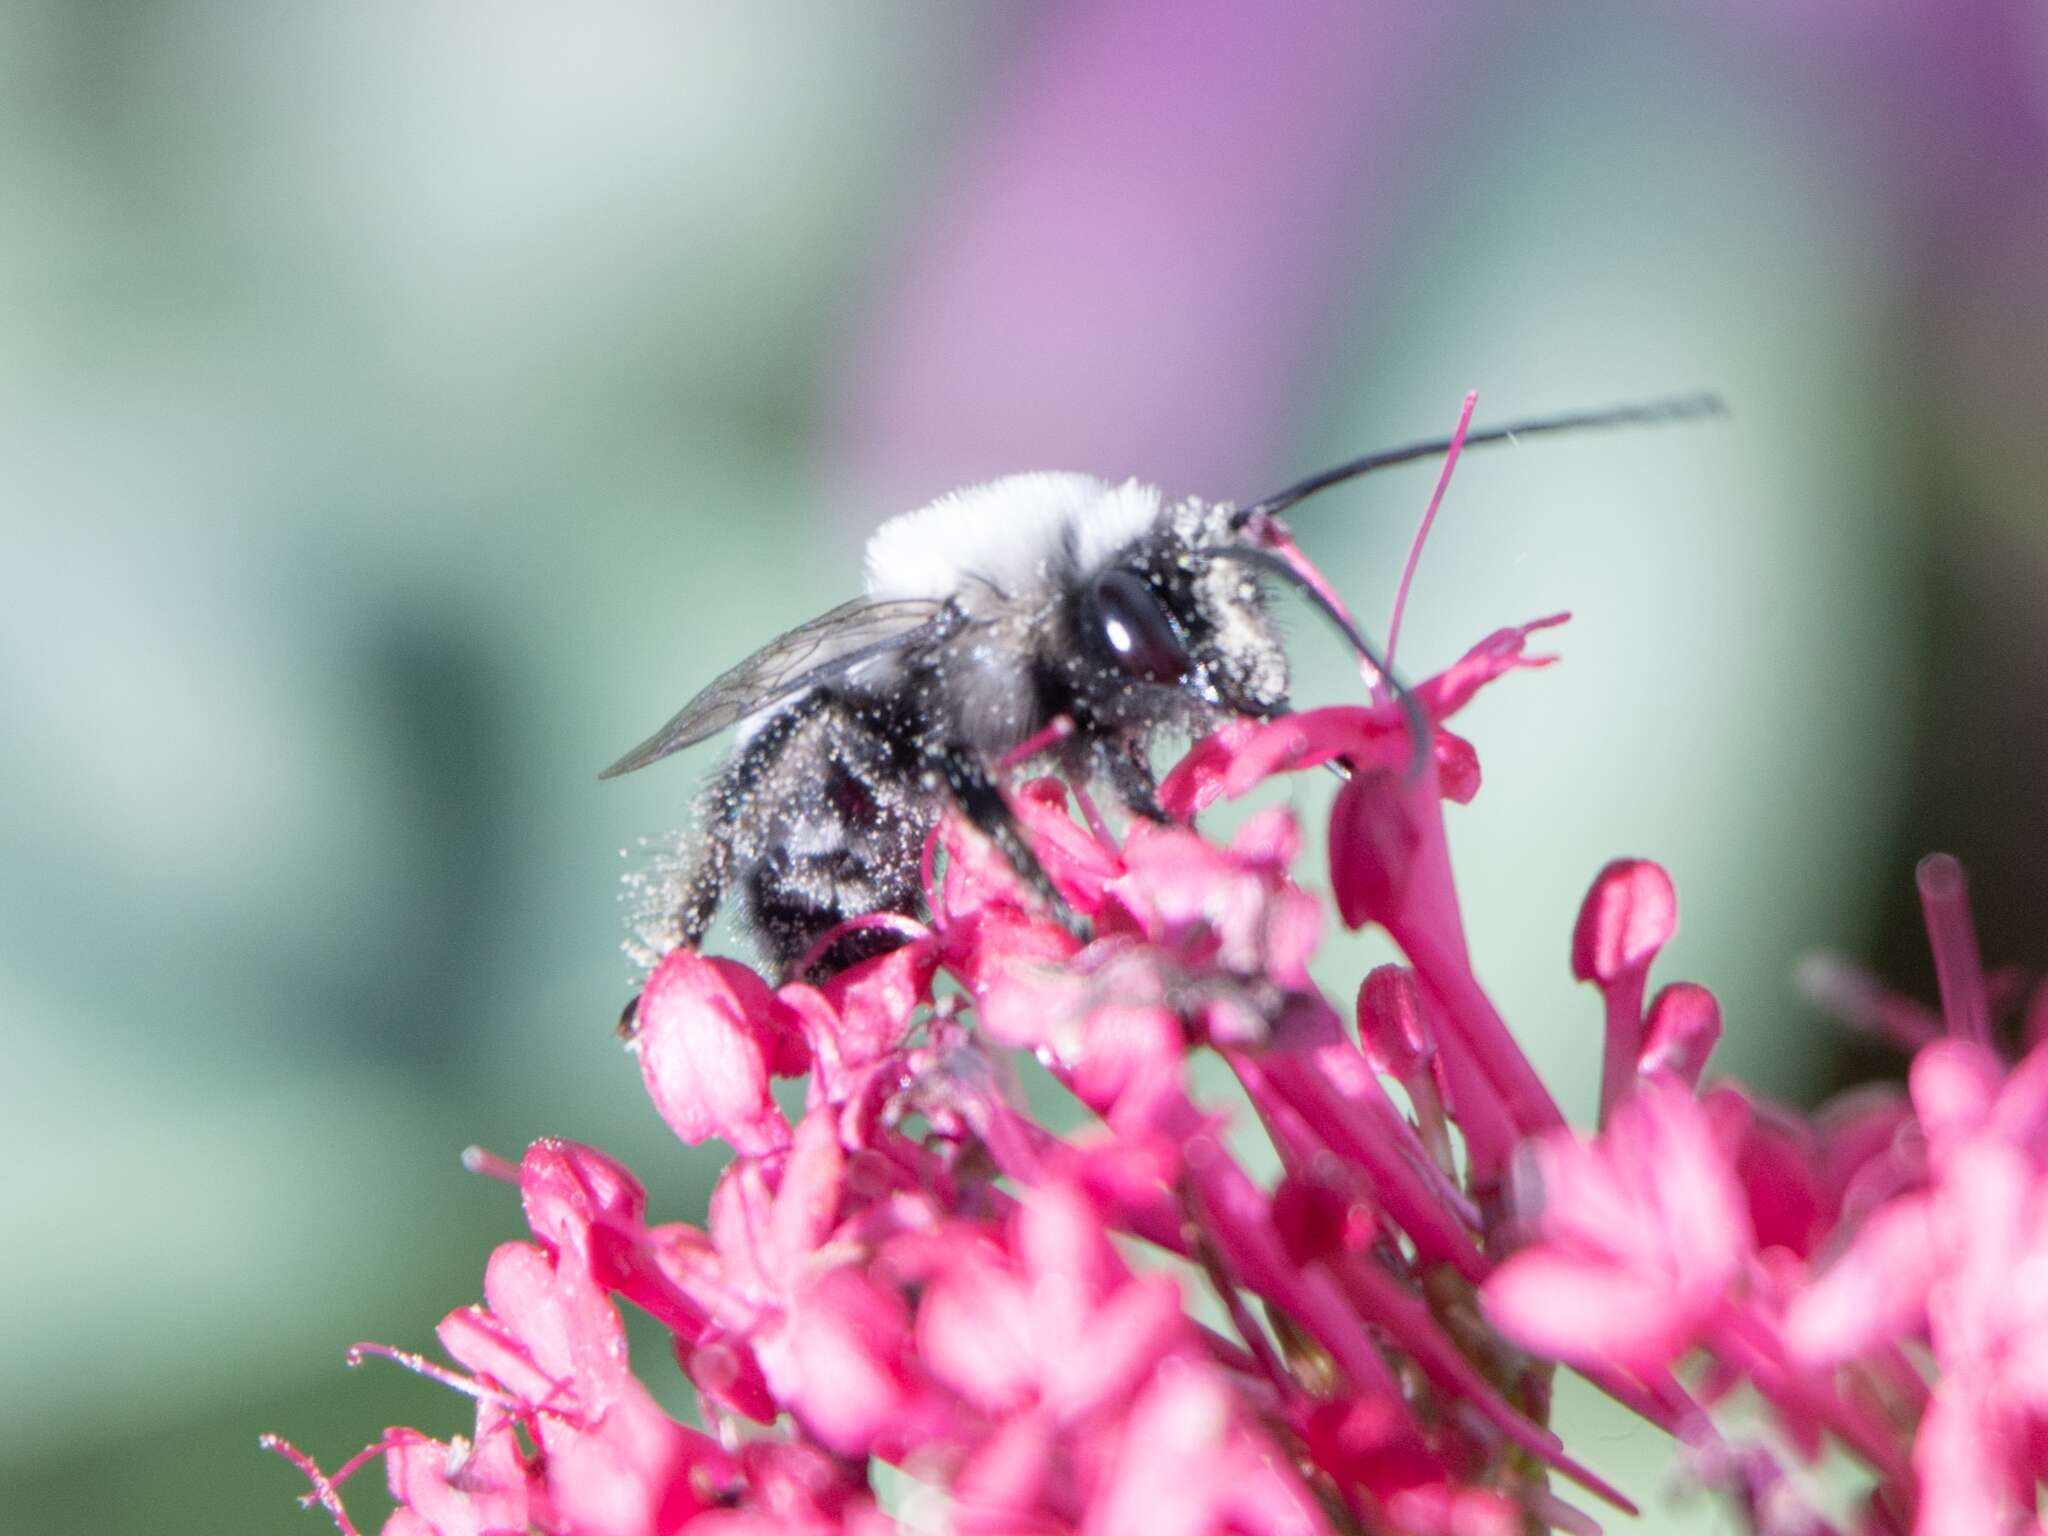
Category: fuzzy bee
<point>989,614</point>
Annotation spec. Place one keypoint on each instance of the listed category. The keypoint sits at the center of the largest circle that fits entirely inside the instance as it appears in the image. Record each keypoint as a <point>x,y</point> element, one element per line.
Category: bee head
<point>1165,614</point>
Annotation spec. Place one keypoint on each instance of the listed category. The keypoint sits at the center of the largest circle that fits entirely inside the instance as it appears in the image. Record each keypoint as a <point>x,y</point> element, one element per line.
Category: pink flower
<point>1185,1464</point>
<point>1640,1236</point>
<point>1964,1266</point>
<point>458,1489</point>
<point>1050,1321</point>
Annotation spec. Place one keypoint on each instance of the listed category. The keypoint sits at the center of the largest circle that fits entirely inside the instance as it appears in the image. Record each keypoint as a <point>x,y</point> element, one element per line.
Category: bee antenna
<point>1646,413</point>
<point>1419,735</point>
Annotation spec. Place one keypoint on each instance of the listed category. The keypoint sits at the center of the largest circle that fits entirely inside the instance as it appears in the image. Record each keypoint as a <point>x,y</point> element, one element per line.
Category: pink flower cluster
<point>1877,1273</point>
<point>1164,1324</point>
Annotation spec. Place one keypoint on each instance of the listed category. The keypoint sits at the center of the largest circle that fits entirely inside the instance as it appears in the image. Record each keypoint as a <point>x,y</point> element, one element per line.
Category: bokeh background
<point>404,407</point>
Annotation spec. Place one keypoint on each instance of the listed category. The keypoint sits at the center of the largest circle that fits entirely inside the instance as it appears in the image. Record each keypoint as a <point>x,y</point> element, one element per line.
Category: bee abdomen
<point>824,820</point>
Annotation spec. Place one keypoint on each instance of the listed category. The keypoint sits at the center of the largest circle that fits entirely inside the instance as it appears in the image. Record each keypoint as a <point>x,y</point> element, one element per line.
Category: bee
<point>989,615</point>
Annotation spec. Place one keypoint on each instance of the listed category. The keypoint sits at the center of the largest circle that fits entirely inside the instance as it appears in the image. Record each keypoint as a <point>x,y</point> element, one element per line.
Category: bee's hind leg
<point>980,799</point>
<point>705,887</point>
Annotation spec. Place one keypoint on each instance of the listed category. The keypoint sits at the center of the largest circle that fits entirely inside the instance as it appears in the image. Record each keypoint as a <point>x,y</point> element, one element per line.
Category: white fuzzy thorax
<point>1006,533</point>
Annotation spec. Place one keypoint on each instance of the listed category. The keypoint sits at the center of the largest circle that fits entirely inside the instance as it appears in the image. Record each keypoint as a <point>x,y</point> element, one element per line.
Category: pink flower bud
<point>567,1188</point>
<point>1955,1085</point>
<point>1391,1025</point>
<point>730,1376</point>
<point>710,1035</point>
<point>1684,1026</point>
<point>1945,902</point>
<point>1630,913</point>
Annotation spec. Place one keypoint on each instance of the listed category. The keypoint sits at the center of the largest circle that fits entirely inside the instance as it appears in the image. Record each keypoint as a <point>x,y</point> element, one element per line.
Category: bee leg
<point>981,801</point>
<point>1130,775</point>
<point>706,887</point>
<point>724,812</point>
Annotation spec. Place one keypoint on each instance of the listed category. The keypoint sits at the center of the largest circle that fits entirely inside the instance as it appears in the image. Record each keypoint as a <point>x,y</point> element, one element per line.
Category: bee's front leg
<point>1129,772</point>
<point>980,799</point>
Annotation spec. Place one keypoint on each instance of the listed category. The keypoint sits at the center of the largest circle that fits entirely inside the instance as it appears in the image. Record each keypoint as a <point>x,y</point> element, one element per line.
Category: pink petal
<point>1457,767</point>
<point>1777,1160</point>
<point>1874,1292</point>
<point>728,1374</point>
<point>1164,1479</point>
<point>1574,1195</point>
<point>1572,1310</point>
<point>1123,1344</point>
<point>1244,754</point>
<point>807,1198</point>
<point>1121,1045</point>
<point>1858,1129</point>
<point>1270,839</point>
<point>568,1325</point>
<point>2022,1112</point>
<point>1262,1496</point>
<point>1444,1509</point>
<point>1290,930</point>
<point>488,1347</point>
<point>873,1001</point>
<point>1373,844</point>
<point>1063,1244</point>
<point>459,1489</point>
<point>580,1201</point>
<point>635,1473</point>
<point>1078,864</point>
<point>1371,1441</point>
<point>999,1487</point>
<point>741,1221</point>
<point>975,1330</point>
<point>1955,1086</point>
<point>839,1363</point>
<point>1314,1218</point>
<point>1498,654</point>
<point>983,946</point>
<point>1700,1219</point>
<point>1779,1166</point>
<point>1983,1195</point>
<point>1970,1461</point>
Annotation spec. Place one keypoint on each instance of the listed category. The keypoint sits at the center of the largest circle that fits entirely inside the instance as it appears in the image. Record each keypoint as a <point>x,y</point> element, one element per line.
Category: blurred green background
<point>404,407</point>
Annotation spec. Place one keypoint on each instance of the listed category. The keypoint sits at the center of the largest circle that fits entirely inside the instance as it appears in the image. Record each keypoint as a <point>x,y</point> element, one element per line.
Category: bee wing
<point>828,646</point>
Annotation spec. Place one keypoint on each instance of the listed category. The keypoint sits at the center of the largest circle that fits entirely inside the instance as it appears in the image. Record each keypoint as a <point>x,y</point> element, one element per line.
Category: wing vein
<point>812,653</point>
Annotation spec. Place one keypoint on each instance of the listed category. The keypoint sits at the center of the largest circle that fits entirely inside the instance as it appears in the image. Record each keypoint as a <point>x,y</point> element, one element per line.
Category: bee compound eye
<point>1139,632</point>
